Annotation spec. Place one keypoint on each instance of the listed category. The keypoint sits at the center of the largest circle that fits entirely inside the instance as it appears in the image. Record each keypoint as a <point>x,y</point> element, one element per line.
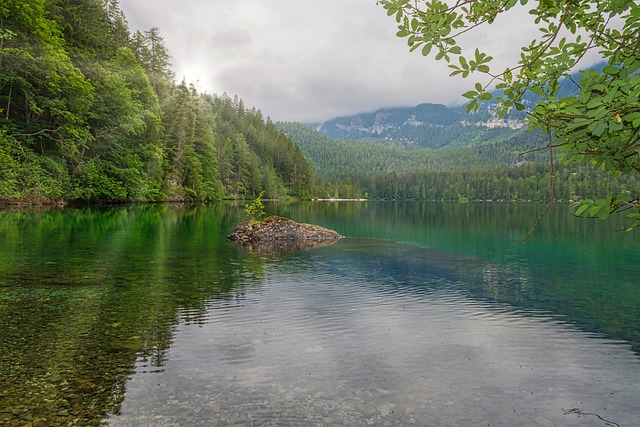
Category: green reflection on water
<point>583,270</point>
<point>84,293</point>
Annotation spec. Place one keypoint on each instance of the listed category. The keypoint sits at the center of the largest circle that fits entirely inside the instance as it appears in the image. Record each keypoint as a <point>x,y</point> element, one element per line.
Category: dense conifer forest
<point>494,165</point>
<point>90,112</point>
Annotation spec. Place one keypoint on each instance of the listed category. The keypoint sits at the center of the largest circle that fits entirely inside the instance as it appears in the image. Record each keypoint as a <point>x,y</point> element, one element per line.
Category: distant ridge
<point>429,125</point>
<point>425,125</point>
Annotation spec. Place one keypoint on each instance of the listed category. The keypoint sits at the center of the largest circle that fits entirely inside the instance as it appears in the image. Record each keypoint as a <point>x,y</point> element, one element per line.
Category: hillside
<point>435,152</point>
<point>91,113</point>
<point>494,165</point>
<point>357,159</point>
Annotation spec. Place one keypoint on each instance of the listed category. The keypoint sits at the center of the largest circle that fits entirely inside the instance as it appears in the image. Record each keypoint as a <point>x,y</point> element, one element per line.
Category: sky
<point>309,60</point>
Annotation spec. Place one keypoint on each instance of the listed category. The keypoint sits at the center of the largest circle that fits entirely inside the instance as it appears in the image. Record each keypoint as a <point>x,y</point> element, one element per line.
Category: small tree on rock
<point>255,210</point>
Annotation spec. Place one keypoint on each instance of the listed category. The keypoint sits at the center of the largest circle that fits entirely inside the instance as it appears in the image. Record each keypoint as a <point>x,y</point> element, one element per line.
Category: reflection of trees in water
<point>283,247</point>
<point>535,289</point>
<point>88,293</point>
<point>443,223</point>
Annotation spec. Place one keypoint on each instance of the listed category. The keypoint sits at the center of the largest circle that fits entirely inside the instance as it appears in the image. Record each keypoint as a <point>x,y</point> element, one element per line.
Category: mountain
<point>407,124</point>
<point>358,160</point>
<point>425,125</point>
<point>435,152</point>
<point>435,125</point>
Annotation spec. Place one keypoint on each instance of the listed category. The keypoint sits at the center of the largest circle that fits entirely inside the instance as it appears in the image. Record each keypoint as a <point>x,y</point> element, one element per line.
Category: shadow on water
<point>86,295</point>
<point>283,247</point>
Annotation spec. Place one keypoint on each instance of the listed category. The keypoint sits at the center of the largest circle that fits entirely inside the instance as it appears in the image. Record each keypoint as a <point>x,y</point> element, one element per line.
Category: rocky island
<point>278,234</point>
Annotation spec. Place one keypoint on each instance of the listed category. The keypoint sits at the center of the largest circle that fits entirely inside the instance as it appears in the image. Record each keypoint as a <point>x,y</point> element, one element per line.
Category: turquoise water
<point>426,314</point>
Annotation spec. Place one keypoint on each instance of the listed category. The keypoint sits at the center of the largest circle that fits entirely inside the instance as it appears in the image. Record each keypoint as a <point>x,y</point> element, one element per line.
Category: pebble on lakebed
<point>276,233</point>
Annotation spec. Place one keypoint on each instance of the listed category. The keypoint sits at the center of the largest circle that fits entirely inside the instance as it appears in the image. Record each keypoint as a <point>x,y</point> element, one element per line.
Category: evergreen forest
<point>91,113</point>
<point>496,164</point>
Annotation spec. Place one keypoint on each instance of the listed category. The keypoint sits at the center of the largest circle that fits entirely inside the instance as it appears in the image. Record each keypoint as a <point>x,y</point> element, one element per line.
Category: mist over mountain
<point>434,126</point>
<point>425,125</point>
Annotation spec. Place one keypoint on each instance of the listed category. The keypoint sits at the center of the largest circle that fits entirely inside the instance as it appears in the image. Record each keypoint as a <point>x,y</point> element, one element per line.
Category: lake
<point>427,314</point>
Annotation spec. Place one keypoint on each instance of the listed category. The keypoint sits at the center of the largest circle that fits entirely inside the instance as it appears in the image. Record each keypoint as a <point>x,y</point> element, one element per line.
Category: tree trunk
<point>9,99</point>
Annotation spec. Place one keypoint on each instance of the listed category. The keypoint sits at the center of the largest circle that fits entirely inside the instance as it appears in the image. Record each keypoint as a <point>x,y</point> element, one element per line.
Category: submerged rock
<point>275,231</point>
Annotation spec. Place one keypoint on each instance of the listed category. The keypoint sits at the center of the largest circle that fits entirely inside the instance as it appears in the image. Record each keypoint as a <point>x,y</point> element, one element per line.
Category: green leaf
<point>611,70</point>
<point>472,94</point>
<point>599,129</point>
<point>594,103</point>
<point>581,209</point>
<point>593,211</point>
<point>426,49</point>
<point>537,90</point>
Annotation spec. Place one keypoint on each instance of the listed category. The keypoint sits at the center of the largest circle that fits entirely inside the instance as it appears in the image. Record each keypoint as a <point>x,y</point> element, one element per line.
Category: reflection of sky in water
<point>344,336</point>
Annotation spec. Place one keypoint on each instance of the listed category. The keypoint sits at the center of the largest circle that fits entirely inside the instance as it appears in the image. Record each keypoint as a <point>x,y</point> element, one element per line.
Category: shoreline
<point>339,200</point>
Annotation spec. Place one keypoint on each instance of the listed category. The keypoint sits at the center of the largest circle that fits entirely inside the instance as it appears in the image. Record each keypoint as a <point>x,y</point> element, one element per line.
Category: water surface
<point>427,314</point>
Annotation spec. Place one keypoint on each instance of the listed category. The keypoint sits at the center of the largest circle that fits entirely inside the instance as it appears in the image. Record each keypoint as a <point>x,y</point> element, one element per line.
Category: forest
<point>494,165</point>
<point>91,113</point>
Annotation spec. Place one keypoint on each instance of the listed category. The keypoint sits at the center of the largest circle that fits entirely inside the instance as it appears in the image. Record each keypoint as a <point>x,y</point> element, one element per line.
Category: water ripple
<point>332,339</point>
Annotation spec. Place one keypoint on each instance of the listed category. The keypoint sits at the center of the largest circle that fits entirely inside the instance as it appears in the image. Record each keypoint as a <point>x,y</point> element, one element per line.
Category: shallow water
<point>147,316</point>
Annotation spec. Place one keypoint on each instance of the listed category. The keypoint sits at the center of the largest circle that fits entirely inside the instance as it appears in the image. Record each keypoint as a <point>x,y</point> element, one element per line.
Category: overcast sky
<point>307,60</point>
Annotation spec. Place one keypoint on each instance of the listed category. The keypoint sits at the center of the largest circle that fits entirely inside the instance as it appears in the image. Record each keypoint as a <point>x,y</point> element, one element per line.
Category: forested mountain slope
<point>90,112</point>
<point>491,167</point>
<point>436,152</point>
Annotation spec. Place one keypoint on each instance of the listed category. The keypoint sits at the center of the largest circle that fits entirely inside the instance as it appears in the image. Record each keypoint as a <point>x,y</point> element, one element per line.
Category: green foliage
<point>29,177</point>
<point>255,211</point>
<point>98,180</point>
<point>600,125</point>
<point>91,113</point>
<point>10,170</point>
<point>489,169</point>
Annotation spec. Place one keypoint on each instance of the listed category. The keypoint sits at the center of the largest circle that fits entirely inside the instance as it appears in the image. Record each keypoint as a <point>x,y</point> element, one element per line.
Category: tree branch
<point>553,185</point>
<point>32,134</point>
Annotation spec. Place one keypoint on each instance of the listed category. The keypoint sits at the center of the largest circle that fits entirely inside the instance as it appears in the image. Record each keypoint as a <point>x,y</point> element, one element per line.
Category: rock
<point>278,234</point>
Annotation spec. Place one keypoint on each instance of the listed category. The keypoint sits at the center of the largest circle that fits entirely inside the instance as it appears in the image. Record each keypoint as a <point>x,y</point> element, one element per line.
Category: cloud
<point>305,60</point>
